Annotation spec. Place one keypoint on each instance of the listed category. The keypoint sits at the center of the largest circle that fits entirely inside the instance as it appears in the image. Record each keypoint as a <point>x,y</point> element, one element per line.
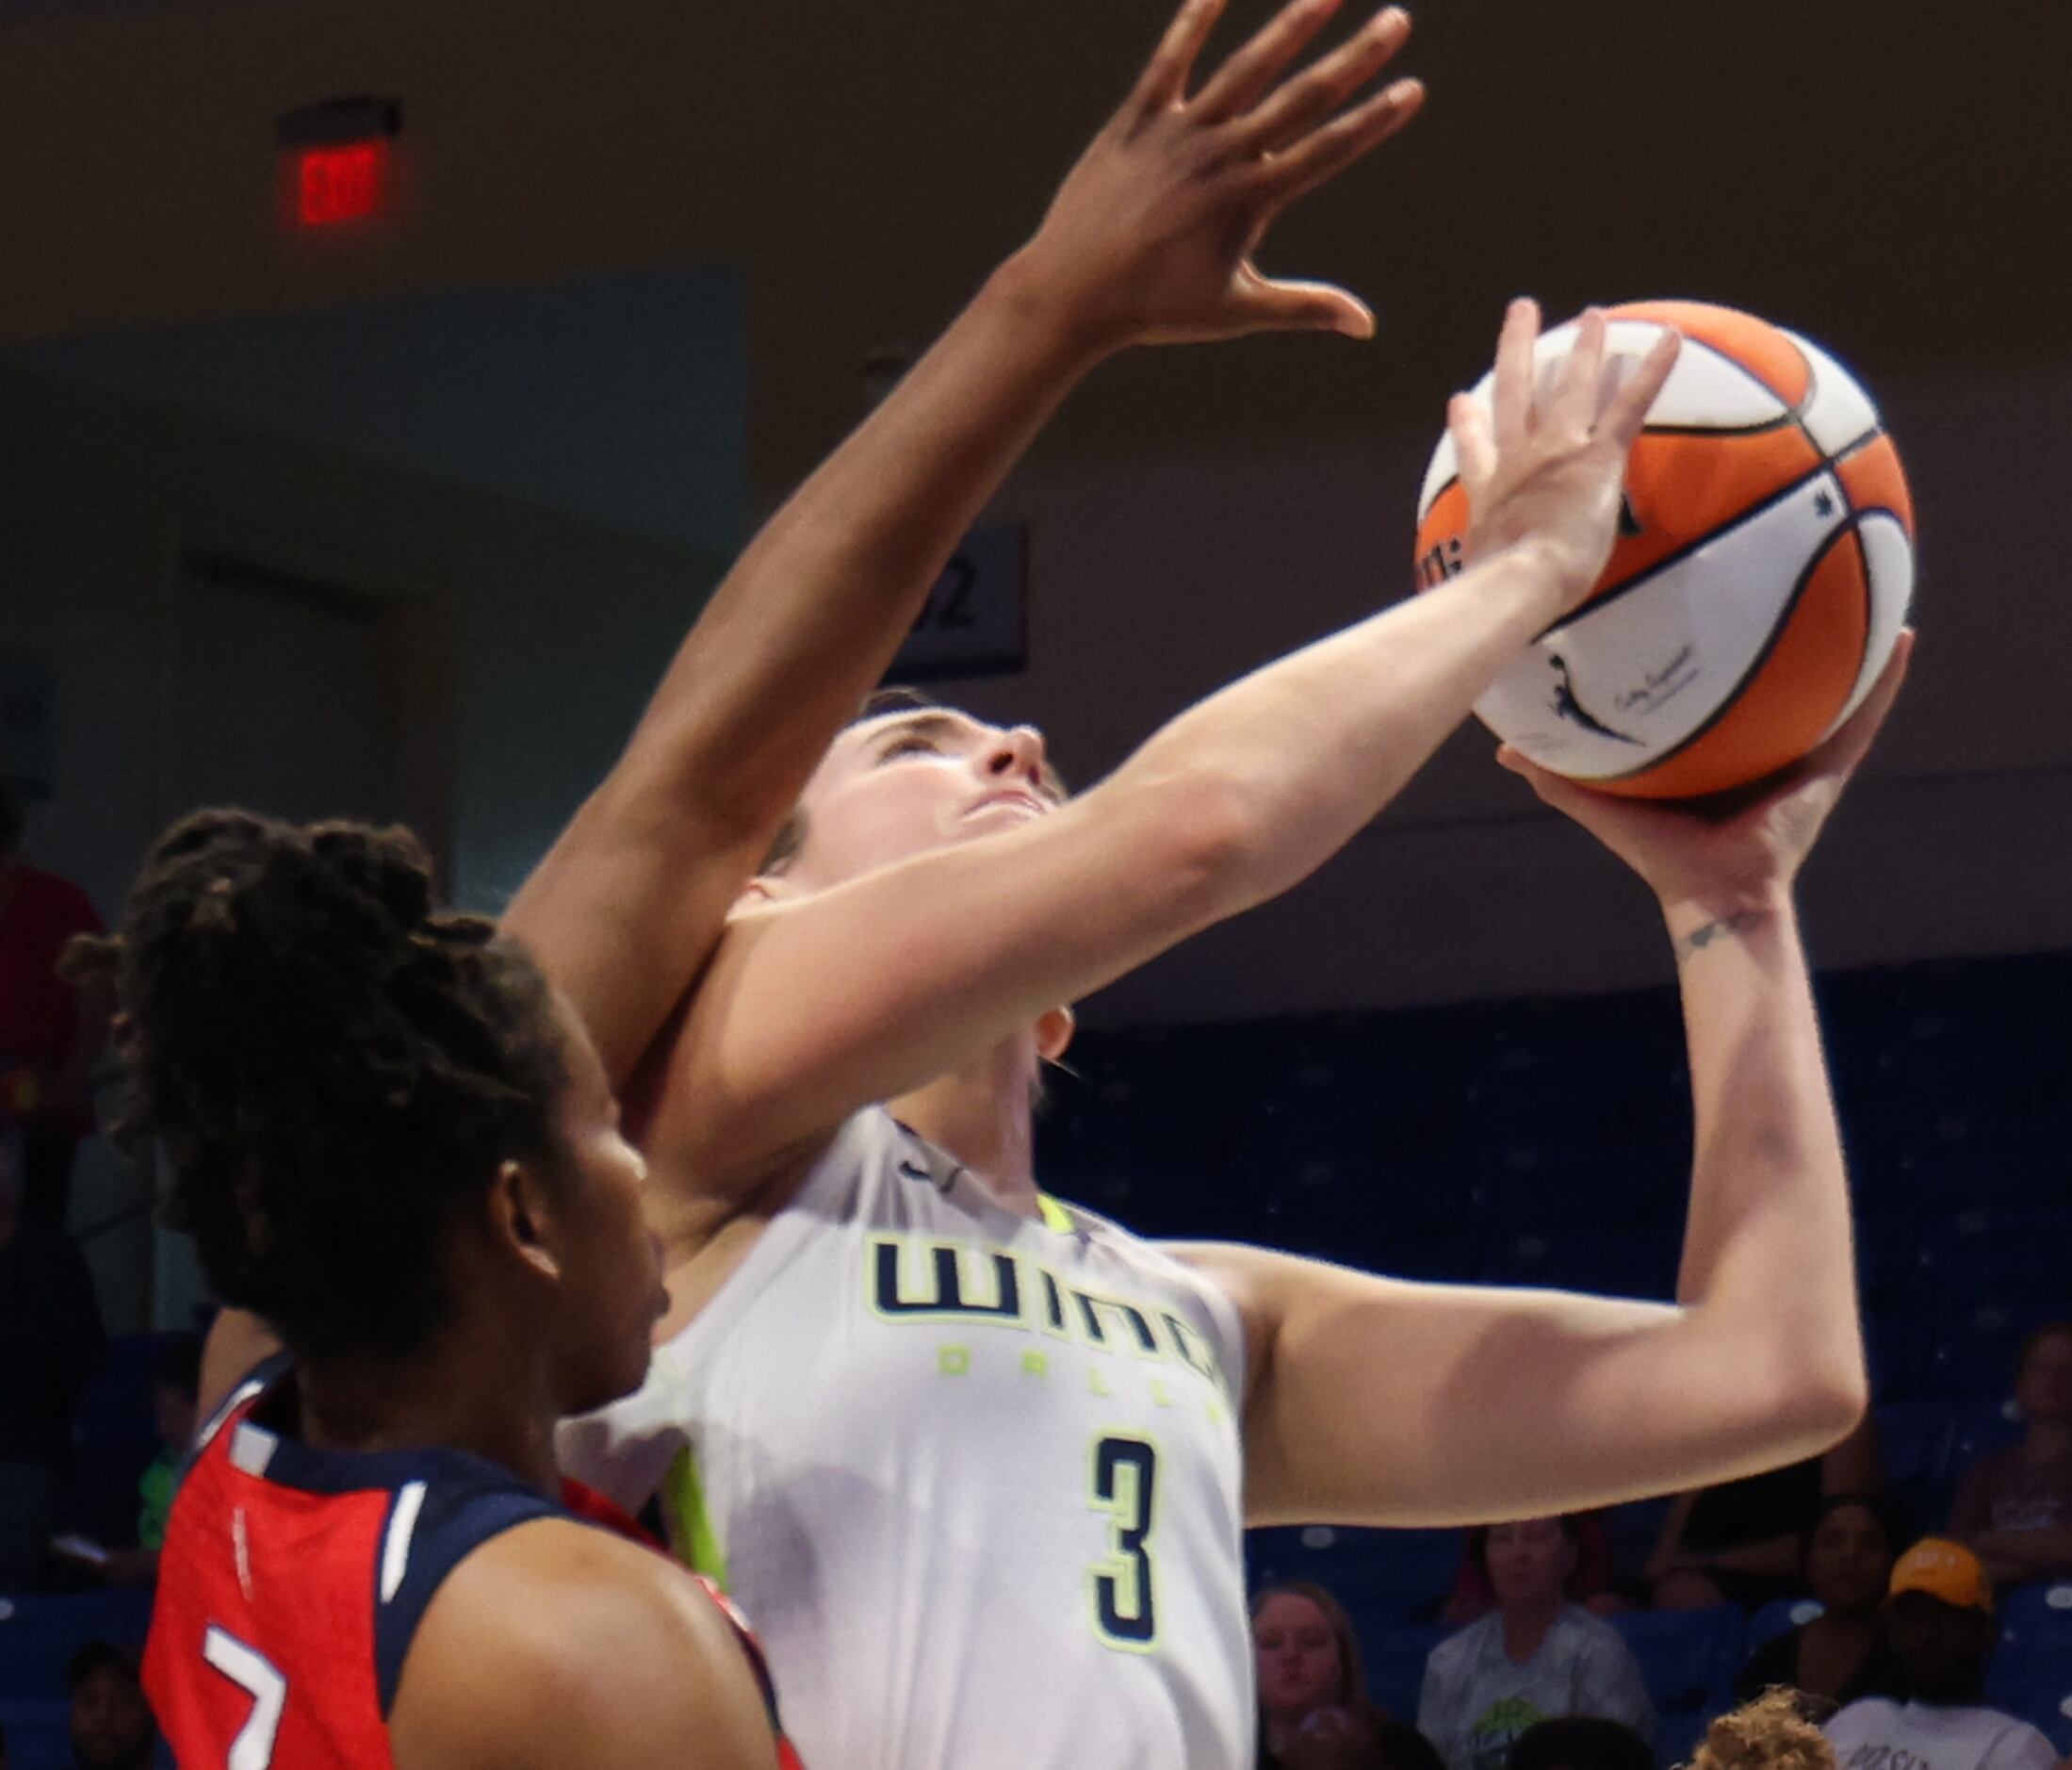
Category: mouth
<point>1012,796</point>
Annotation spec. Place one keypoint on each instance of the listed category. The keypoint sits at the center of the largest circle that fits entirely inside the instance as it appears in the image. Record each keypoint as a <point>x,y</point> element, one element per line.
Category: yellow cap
<point>1946,1570</point>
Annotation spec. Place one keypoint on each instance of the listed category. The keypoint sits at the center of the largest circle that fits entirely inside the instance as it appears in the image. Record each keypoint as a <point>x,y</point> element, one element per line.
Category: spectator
<point>51,1341</point>
<point>1741,1543</point>
<point>2014,1510</point>
<point>1536,1657</point>
<point>175,1385</point>
<point>1940,1625</point>
<point>1770,1733</point>
<point>1590,1585</point>
<point>1313,1701</point>
<point>1580,1742</point>
<point>49,1033</point>
<point>1839,1656</point>
<point>112,1723</point>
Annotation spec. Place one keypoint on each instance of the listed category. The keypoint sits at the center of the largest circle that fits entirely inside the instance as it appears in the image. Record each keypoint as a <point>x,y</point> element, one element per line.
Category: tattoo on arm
<point>1723,927</point>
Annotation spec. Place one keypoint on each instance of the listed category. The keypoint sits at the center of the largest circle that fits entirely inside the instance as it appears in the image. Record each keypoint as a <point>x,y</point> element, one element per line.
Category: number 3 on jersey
<point>1125,1485</point>
<point>246,1667</point>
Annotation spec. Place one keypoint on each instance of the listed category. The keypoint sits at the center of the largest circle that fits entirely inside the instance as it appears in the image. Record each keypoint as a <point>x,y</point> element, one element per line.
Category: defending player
<point>978,1462</point>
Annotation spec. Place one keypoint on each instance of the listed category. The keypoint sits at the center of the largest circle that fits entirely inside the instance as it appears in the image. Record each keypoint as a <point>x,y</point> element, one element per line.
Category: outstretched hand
<point>1546,467</point>
<point>1150,239</point>
<point>1736,849</point>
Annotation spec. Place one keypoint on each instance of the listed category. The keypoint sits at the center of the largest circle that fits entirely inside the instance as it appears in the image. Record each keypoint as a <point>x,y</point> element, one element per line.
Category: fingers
<point>1165,77</point>
<point>1841,754</point>
<point>1573,404</point>
<point>1321,89</point>
<point>1473,446</point>
<point>1627,409</point>
<point>1326,152</point>
<point>1247,77</point>
<point>1298,306</point>
<point>1514,371</point>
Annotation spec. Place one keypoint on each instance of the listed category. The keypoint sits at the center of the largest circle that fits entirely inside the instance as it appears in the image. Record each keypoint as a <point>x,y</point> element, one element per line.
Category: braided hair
<point>332,1069</point>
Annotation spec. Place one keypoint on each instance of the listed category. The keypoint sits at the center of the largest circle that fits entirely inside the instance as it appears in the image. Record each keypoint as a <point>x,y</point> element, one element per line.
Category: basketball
<point>1760,577</point>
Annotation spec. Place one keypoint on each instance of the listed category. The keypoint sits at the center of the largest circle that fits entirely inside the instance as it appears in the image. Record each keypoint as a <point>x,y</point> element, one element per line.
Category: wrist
<point>1045,317</point>
<point>1696,917</point>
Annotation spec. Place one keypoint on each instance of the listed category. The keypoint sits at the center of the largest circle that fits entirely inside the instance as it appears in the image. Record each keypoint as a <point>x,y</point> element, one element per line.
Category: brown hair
<point>1774,1732</point>
<point>1352,1683</point>
<point>2048,1330</point>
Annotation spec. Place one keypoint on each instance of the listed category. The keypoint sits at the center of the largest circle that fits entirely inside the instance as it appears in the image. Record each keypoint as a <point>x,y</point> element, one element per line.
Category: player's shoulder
<point>570,1643</point>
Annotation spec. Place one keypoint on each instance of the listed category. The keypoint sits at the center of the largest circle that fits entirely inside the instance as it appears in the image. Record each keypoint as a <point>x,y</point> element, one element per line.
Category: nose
<point>1016,754</point>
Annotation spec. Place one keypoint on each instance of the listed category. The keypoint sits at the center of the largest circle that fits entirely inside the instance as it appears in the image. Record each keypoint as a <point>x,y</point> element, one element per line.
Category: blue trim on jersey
<point>468,1499</point>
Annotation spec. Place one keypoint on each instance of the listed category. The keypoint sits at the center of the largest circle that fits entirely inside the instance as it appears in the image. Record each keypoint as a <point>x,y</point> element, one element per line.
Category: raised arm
<point>1375,1401</point>
<point>801,1019</point>
<point>1149,241</point>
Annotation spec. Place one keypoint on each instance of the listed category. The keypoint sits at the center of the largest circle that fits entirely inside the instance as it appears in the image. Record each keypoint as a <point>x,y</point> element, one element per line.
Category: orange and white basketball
<point>1761,575</point>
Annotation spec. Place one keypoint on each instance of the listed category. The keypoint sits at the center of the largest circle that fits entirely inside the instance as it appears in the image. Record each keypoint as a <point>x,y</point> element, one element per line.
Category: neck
<point>983,1113</point>
<point>1525,1626</point>
<point>465,1392</point>
<point>2048,1440</point>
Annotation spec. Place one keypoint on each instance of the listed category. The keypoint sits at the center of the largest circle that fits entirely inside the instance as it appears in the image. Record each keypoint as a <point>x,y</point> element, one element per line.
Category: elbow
<point>1819,1403</point>
<point>1206,852</point>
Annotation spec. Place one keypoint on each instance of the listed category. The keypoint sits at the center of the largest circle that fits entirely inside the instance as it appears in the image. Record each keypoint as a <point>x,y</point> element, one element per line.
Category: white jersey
<point>975,1479</point>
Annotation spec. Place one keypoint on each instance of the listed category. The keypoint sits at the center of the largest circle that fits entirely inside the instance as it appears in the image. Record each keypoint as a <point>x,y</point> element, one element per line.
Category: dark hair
<point>1580,1742</point>
<point>11,815</point>
<point>1895,1535</point>
<point>178,1366</point>
<point>1478,1539</point>
<point>98,1656</point>
<point>332,1069</point>
<point>1399,1746</point>
<point>1352,1683</point>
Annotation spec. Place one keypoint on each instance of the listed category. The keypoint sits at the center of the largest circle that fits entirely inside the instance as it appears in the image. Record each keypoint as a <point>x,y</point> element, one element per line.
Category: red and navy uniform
<point>293,1579</point>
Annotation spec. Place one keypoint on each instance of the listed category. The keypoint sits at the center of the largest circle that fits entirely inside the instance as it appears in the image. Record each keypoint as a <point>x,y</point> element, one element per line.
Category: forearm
<point>812,613</point>
<point>1305,752</point>
<point>1768,1273</point>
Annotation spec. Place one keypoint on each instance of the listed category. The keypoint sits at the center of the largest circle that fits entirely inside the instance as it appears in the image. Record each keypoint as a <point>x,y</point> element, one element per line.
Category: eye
<point>912,744</point>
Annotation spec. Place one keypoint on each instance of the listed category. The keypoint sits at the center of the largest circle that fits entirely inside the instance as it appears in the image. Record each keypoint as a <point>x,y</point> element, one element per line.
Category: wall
<point>558,629</point>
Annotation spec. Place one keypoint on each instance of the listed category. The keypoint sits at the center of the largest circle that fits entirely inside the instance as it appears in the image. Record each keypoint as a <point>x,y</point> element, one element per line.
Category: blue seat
<point>1780,1616</point>
<point>2038,1690</point>
<point>1394,1662</point>
<point>38,1635</point>
<point>2038,1617</point>
<point>1687,1657</point>
<point>1392,1575</point>
<point>39,1734</point>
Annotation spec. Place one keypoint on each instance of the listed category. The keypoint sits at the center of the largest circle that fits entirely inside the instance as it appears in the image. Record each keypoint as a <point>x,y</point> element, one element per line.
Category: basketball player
<point>388,1138</point>
<point>977,1462</point>
<point>1149,241</point>
<point>473,1571</point>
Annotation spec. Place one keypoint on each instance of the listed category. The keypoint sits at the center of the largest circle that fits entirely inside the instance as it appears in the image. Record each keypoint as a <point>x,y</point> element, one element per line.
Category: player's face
<point>2044,1389</point>
<point>611,1264</point>
<point>1528,1562</point>
<point>1298,1667</point>
<point>1849,1561</point>
<point>910,781</point>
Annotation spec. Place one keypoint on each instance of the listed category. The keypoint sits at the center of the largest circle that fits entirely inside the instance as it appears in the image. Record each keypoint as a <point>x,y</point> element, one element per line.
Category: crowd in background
<point>1888,1648</point>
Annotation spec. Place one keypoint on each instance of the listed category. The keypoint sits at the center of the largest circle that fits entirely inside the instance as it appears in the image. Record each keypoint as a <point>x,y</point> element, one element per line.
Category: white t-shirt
<point>1879,1735</point>
<point>975,1479</point>
<point>1478,1699</point>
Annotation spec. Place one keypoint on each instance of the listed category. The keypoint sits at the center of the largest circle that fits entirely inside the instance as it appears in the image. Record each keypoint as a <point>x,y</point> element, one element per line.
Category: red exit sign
<point>341,184</point>
<point>339,161</point>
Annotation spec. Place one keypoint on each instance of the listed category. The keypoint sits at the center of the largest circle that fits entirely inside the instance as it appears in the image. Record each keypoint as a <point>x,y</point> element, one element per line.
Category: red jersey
<point>292,1581</point>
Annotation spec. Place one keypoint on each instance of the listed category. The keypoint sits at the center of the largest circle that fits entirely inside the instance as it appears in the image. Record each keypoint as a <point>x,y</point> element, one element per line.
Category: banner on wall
<point>976,621</point>
<point>29,722</point>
